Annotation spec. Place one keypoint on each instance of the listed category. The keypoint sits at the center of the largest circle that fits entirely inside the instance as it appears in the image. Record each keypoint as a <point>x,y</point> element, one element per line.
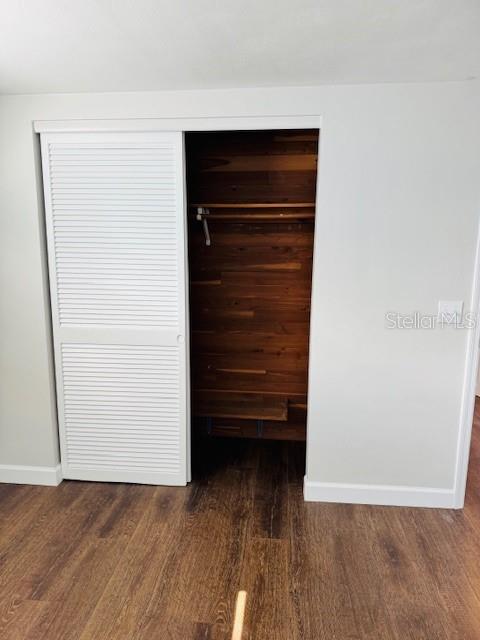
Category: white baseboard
<point>386,495</point>
<point>19,474</point>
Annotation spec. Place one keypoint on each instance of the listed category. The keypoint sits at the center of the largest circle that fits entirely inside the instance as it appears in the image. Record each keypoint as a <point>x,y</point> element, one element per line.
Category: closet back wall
<point>396,229</point>
<point>250,289</point>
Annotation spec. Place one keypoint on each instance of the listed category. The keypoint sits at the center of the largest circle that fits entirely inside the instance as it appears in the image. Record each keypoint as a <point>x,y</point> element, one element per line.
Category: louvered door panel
<point>115,228</point>
<point>121,406</point>
<point>114,233</point>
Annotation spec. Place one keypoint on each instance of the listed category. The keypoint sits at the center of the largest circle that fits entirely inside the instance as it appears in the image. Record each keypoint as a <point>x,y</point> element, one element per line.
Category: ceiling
<point>128,45</point>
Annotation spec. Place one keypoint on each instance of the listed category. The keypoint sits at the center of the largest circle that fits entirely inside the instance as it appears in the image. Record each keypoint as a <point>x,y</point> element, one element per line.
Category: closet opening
<point>251,219</point>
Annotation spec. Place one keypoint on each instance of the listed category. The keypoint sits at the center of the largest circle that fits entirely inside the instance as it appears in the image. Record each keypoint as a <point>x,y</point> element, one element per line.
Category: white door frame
<point>469,388</point>
<point>185,125</point>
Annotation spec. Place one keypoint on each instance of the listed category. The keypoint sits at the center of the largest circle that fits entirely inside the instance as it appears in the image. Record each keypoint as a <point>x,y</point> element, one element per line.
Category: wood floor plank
<point>27,553</point>
<point>265,580</point>
<point>18,616</point>
<point>83,527</point>
<point>207,554</point>
<point>121,609</point>
<point>91,572</point>
<point>453,583</point>
<point>409,614</point>
<point>19,505</point>
<point>270,500</point>
<point>317,556</point>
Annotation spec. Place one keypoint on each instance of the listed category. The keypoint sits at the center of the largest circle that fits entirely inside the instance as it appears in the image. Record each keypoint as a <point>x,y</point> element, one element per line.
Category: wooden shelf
<point>257,205</point>
<point>213,404</point>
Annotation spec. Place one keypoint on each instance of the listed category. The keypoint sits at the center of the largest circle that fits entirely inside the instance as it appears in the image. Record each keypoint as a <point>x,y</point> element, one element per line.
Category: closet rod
<point>252,211</point>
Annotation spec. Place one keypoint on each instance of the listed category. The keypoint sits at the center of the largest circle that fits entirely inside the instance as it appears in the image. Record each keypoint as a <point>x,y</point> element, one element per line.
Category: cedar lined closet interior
<point>251,216</point>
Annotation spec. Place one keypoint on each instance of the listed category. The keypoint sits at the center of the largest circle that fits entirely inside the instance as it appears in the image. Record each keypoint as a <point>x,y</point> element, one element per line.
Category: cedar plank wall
<point>250,290</point>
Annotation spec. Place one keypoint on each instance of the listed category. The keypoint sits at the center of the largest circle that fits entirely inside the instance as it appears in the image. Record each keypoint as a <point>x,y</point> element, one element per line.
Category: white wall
<point>399,203</point>
<point>477,389</point>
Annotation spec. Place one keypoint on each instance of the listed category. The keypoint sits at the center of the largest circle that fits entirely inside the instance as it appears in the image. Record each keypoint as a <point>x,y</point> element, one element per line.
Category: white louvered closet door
<point>116,249</point>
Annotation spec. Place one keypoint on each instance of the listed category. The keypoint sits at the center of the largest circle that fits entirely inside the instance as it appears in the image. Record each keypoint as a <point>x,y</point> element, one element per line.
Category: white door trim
<point>469,388</point>
<point>185,124</point>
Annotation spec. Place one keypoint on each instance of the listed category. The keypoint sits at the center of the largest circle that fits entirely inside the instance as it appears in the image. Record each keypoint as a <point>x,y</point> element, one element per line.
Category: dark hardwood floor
<point>93,561</point>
